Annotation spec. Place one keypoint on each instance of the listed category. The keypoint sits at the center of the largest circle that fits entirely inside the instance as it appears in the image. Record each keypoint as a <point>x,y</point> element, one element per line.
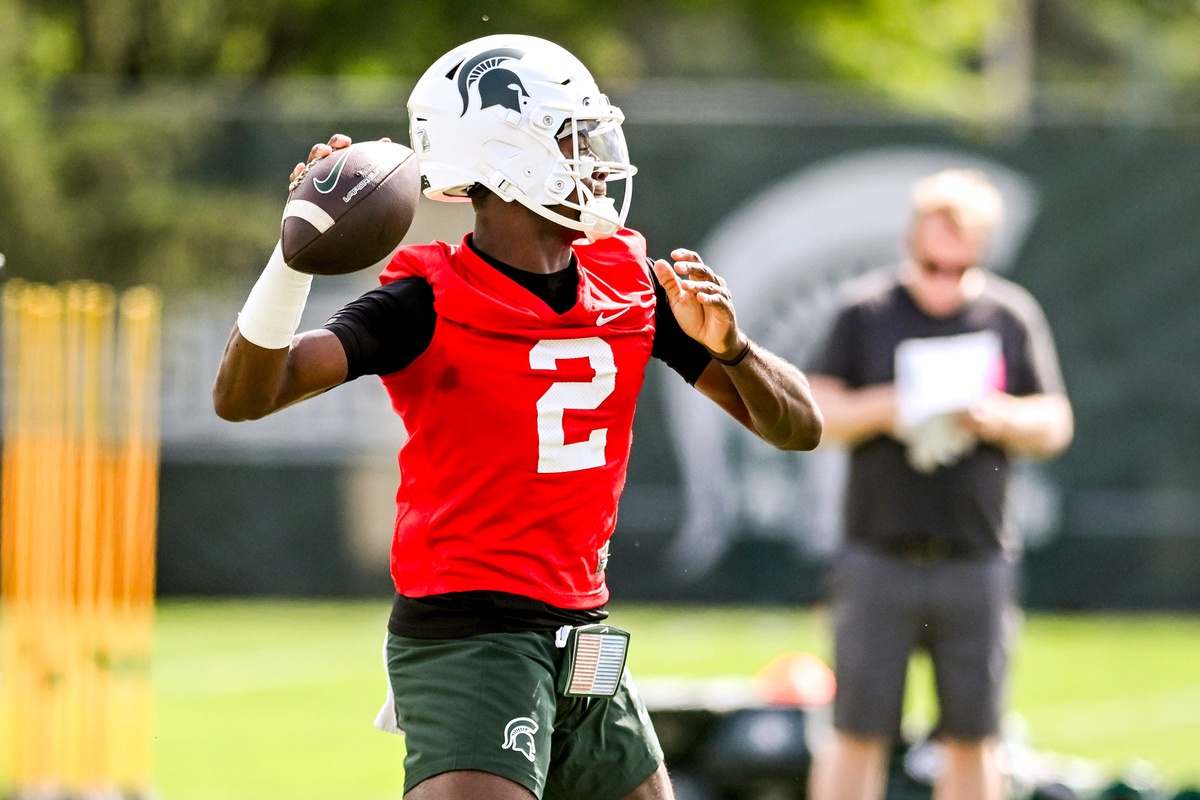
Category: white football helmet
<point>493,112</point>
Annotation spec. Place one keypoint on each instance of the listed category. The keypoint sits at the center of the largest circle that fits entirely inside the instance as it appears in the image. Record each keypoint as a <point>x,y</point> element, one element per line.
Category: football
<point>349,210</point>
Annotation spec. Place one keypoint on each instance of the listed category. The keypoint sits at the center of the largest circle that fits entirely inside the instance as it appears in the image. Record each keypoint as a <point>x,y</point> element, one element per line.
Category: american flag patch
<point>598,661</point>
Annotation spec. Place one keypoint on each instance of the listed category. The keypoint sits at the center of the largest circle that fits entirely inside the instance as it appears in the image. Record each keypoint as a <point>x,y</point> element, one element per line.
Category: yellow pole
<point>140,312</point>
<point>47,535</point>
<point>93,306</point>
<point>14,556</point>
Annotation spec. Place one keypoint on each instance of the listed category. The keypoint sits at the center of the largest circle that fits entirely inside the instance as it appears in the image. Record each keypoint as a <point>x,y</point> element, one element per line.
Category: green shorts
<point>489,703</point>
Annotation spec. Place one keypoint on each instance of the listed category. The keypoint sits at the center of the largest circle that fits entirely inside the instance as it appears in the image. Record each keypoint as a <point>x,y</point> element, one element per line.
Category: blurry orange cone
<point>795,679</point>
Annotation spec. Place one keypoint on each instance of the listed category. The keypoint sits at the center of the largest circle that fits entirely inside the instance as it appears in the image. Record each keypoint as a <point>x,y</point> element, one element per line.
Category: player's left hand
<point>701,303</point>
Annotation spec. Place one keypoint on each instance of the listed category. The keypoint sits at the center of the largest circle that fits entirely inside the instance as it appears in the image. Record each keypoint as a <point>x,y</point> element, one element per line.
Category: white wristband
<point>272,312</point>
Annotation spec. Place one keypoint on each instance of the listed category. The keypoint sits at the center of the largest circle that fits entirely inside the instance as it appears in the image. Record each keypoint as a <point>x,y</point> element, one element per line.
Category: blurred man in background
<point>515,359</point>
<point>934,376</point>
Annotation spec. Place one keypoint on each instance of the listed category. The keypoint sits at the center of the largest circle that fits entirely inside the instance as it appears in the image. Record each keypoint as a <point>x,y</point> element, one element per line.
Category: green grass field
<point>275,700</point>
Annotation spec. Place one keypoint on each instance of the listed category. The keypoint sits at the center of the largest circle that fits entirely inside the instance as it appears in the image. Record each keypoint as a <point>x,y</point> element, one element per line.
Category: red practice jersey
<point>519,424</point>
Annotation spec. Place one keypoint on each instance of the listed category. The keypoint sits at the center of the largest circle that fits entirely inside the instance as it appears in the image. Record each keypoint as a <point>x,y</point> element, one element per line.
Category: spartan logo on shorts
<point>495,84</point>
<point>518,735</point>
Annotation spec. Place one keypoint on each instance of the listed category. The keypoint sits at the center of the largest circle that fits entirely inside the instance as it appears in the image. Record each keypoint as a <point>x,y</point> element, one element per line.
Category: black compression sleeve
<point>672,346</point>
<point>384,330</point>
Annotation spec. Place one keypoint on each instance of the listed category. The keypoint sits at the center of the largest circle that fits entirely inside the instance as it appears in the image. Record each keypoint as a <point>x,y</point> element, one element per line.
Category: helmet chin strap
<point>598,227</point>
<point>594,225</point>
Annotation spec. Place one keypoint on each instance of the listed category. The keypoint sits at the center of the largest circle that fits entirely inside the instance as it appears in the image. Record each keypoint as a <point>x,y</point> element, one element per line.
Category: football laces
<point>300,178</point>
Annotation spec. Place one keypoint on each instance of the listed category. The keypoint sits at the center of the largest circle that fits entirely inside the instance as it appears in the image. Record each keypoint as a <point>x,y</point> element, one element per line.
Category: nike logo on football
<point>326,184</point>
<point>604,320</point>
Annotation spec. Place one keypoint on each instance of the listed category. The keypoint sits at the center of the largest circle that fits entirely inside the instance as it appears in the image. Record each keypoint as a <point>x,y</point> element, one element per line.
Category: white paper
<point>944,375</point>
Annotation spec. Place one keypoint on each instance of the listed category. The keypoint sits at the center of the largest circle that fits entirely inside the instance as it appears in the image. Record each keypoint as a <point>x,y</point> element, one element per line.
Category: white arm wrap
<point>272,311</point>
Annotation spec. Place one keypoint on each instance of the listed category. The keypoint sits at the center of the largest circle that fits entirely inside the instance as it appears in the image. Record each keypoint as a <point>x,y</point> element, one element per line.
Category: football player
<point>515,358</point>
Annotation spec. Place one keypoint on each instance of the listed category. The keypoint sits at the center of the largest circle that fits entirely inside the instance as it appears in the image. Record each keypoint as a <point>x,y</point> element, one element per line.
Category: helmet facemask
<point>596,153</point>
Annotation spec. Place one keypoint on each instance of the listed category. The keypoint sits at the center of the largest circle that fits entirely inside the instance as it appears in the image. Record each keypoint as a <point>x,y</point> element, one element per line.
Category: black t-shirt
<point>384,331</point>
<point>886,499</point>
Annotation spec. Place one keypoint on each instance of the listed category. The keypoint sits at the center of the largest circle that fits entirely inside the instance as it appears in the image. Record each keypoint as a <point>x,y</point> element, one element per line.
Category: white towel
<point>387,720</point>
<point>938,442</point>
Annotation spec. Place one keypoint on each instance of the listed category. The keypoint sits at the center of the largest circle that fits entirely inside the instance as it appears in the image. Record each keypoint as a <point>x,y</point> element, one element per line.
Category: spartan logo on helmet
<point>495,84</point>
<point>518,736</point>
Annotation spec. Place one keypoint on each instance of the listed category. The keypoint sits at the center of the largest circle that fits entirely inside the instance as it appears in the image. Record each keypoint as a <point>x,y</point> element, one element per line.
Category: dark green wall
<point>1114,258</point>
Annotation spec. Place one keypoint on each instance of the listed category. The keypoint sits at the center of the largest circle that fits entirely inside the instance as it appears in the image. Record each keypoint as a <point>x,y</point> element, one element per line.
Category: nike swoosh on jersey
<point>325,185</point>
<point>603,320</point>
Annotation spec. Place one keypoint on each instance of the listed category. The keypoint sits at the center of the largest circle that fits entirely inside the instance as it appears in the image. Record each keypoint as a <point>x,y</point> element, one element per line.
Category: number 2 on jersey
<point>554,454</point>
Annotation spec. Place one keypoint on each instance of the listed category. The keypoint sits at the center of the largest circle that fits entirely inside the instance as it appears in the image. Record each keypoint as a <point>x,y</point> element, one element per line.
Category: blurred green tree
<point>108,105</point>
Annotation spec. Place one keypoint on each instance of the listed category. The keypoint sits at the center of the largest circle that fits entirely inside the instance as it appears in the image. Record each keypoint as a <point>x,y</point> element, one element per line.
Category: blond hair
<point>966,195</point>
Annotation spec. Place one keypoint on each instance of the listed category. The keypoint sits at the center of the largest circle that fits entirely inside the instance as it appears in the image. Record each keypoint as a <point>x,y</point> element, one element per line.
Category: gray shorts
<point>962,612</point>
